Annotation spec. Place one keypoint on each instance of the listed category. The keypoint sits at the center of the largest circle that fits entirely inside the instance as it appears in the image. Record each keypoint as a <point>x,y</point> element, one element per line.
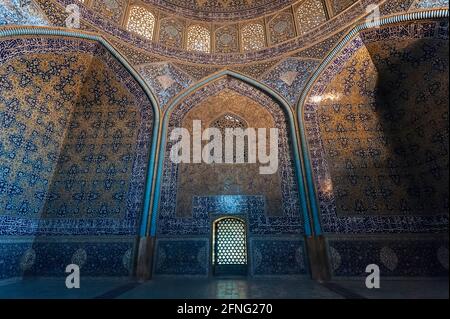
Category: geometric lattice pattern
<point>230,245</point>
<point>141,21</point>
<point>253,37</point>
<point>69,126</point>
<point>95,167</point>
<point>310,14</point>
<point>20,12</point>
<point>32,126</point>
<point>385,145</point>
<point>198,39</point>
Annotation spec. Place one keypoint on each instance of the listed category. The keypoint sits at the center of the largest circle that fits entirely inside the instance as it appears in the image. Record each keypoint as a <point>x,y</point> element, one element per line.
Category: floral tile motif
<point>21,12</point>
<point>278,257</point>
<point>169,224</point>
<point>165,80</point>
<point>106,257</point>
<point>381,205</point>
<point>290,77</point>
<point>407,257</point>
<point>422,4</point>
<point>182,257</point>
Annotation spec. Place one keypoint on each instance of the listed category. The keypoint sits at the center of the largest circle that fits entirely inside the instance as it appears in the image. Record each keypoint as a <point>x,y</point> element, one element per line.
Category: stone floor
<point>109,288</point>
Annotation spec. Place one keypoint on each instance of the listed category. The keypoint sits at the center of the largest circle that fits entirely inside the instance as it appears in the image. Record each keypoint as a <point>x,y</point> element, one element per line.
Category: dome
<point>220,9</point>
<point>218,26</point>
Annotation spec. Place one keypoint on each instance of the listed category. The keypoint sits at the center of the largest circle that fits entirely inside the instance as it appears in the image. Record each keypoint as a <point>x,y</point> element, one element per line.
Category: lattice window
<point>141,21</point>
<point>232,121</point>
<point>228,120</point>
<point>310,14</point>
<point>253,37</point>
<point>199,39</point>
<point>230,242</point>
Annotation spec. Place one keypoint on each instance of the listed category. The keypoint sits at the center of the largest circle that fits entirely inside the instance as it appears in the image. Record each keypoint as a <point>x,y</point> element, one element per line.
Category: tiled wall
<point>58,158</point>
<point>377,131</point>
<point>182,256</point>
<point>21,12</point>
<point>273,221</point>
<point>278,257</point>
<point>105,256</point>
<point>397,256</point>
<point>76,132</point>
<point>267,256</point>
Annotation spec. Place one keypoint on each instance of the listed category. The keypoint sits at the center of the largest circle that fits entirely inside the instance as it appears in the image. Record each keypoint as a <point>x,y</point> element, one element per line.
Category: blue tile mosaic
<point>24,211</point>
<point>67,201</point>
<point>108,257</point>
<point>102,258</point>
<point>56,138</point>
<point>278,257</point>
<point>21,12</point>
<point>331,221</point>
<point>290,77</point>
<point>396,258</point>
<point>290,222</point>
<point>182,257</point>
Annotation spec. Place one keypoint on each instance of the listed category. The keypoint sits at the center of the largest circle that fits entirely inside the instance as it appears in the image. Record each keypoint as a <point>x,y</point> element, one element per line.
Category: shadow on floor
<point>168,288</point>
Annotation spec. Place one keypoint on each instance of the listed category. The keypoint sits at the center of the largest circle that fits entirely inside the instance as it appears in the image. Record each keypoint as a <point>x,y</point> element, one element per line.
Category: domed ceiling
<point>221,9</point>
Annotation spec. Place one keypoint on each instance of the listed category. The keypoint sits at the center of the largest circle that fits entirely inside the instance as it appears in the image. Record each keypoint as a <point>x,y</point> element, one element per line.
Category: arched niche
<point>372,119</point>
<point>258,111</point>
<point>192,195</point>
<point>77,126</point>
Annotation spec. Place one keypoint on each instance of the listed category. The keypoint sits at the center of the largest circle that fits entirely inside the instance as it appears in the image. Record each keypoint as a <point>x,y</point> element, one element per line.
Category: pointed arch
<point>141,21</point>
<point>51,31</point>
<point>293,132</point>
<point>314,79</point>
